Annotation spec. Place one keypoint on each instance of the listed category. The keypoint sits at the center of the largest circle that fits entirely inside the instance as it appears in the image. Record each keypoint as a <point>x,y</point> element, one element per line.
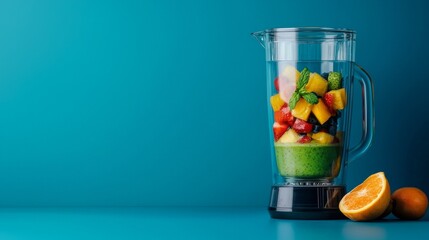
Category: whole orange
<point>409,203</point>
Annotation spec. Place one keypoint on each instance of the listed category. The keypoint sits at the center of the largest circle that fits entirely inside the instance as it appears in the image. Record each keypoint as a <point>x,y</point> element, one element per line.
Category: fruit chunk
<point>302,109</point>
<point>312,119</point>
<point>290,136</point>
<point>301,126</point>
<point>276,102</point>
<point>332,130</point>
<point>409,203</point>
<point>317,84</point>
<point>322,137</point>
<point>334,80</point>
<point>284,115</point>
<point>317,128</point>
<point>325,75</point>
<point>368,200</point>
<point>340,99</point>
<point>287,82</point>
<point>304,139</point>
<point>290,74</point>
<point>321,112</point>
<point>328,98</point>
<point>279,130</point>
<point>276,84</point>
<point>286,90</point>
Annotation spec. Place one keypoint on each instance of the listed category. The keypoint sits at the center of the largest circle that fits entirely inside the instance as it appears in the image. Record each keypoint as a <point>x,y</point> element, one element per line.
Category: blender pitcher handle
<point>368,123</point>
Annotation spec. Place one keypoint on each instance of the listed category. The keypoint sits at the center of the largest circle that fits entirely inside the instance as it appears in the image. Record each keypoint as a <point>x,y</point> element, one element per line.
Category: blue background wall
<point>163,102</point>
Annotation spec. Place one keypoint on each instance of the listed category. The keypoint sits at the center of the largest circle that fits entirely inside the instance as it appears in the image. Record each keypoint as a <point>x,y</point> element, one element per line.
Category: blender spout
<point>260,36</point>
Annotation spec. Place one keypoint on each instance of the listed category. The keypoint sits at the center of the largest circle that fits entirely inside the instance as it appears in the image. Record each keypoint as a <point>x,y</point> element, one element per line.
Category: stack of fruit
<point>311,112</point>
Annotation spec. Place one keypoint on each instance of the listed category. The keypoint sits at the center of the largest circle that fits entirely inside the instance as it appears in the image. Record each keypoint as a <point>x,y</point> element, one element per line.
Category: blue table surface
<point>191,223</point>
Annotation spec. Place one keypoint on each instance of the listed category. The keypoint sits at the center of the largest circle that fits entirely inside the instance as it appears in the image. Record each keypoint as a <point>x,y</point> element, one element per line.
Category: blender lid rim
<point>306,29</point>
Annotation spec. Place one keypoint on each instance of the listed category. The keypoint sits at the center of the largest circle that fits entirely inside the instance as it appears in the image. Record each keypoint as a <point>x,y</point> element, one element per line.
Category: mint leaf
<point>303,78</point>
<point>310,98</point>
<point>293,100</point>
<point>302,91</point>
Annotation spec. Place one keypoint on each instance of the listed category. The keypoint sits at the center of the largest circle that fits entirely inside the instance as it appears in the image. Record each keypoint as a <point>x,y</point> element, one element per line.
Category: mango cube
<point>290,136</point>
<point>317,84</point>
<point>321,111</point>
<point>290,74</point>
<point>276,102</point>
<point>322,137</point>
<point>340,98</point>
<point>302,109</point>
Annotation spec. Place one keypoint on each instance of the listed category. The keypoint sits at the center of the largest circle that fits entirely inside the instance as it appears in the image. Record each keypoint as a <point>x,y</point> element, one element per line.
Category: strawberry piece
<point>304,139</point>
<point>328,99</point>
<point>301,126</point>
<point>276,83</point>
<point>284,115</point>
<point>279,130</point>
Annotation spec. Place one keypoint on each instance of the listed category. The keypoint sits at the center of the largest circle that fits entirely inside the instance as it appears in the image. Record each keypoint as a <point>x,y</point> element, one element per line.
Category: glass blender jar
<point>310,76</point>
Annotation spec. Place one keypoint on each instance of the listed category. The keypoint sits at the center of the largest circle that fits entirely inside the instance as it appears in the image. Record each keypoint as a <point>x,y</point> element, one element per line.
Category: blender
<point>310,76</point>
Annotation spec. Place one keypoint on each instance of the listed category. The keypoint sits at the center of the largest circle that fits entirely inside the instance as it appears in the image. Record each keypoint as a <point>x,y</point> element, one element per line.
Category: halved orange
<point>368,200</point>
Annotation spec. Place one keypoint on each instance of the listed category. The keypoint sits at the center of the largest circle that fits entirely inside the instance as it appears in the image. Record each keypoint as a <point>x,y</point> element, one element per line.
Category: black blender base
<point>306,202</point>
